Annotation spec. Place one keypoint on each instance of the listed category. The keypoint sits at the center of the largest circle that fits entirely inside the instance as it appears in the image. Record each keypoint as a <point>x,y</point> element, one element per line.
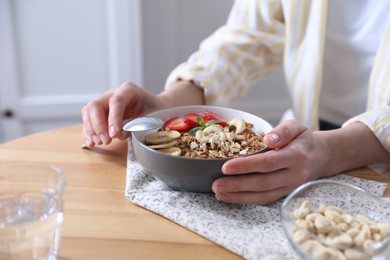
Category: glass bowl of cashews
<point>188,151</point>
<point>327,219</point>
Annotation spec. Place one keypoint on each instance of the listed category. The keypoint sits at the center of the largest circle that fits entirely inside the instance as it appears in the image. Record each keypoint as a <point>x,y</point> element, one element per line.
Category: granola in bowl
<point>208,140</point>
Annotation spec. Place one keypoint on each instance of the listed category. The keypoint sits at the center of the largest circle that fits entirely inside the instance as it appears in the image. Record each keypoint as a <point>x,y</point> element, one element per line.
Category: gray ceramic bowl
<point>188,174</point>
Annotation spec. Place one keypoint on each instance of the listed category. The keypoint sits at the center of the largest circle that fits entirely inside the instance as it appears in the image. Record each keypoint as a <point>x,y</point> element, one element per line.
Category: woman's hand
<point>103,117</point>
<point>297,158</point>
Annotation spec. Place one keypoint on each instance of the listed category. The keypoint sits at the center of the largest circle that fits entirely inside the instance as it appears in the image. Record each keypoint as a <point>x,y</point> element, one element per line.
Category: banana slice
<point>164,145</point>
<point>176,151</point>
<point>161,137</point>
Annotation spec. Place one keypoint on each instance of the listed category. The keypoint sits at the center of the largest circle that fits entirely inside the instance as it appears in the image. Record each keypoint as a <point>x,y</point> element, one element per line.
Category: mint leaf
<point>212,122</point>
<point>200,121</point>
<point>195,129</point>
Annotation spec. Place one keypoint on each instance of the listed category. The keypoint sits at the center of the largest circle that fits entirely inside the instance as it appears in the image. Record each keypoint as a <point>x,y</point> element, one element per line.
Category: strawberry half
<point>191,120</point>
<point>212,116</point>
<point>176,123</point>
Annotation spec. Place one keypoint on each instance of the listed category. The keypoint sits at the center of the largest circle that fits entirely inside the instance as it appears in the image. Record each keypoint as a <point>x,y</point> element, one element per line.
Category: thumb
<point>125,97</point>
<point>283,134</point>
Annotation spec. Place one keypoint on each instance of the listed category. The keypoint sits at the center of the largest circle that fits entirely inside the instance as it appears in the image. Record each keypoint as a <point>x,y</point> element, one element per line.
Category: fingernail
<point>84,146</point>
<point>88,141</point>
<point>95,139</point>
<point>273,137</point>
<point>112,130</point>
<point>229,169</point>
<point>104,138</point>
<point>218,189</point>
<point>221,197</point>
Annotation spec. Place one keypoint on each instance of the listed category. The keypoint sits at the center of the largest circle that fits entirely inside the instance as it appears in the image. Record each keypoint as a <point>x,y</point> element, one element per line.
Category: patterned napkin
<point>251,231</point>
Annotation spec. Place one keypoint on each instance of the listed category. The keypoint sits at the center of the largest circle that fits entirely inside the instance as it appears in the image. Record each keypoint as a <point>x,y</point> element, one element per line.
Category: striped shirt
<point>260,36</point>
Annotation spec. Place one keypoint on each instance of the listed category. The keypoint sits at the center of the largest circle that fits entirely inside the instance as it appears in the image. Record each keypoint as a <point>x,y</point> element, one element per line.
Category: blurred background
<point>56,55</point>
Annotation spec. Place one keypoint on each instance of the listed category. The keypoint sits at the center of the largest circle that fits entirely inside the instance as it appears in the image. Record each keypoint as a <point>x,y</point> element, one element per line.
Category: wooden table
<point>100,223</point>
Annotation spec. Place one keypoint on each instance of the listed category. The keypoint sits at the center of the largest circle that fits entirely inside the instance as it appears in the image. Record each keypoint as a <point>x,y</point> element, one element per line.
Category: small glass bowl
<point>351,200</point>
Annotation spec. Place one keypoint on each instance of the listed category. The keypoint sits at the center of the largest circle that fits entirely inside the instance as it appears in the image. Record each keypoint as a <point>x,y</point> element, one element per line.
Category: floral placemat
<point>251,231</point>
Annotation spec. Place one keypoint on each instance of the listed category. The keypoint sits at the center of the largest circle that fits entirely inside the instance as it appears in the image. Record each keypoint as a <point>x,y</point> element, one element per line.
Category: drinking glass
<point>31,210</point>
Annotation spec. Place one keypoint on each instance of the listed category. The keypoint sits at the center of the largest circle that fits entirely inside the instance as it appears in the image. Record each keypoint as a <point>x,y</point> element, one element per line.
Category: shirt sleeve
<point>248,47</point>
<point>378,120</point>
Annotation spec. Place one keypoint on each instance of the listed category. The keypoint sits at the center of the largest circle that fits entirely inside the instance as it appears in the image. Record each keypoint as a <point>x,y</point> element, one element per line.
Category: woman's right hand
<point>104,116</point>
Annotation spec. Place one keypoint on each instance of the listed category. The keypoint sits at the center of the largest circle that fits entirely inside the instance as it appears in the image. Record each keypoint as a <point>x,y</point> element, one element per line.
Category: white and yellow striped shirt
<point>261,35</point>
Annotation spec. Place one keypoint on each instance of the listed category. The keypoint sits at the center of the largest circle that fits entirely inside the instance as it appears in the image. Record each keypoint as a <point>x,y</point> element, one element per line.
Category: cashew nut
<point>347,218</point>
<point>214,141</point>
<point>303,210</point>
<point>211,129</point>
<point>300,236</point>
<point>239,123</point>
<point>222,136</point>
<point>343,240</point>
<point>384,230</point>
<point>333,215</point>
<point>230,136</point>
<point>323,225</point>
<point>338,233</point>
<point>205,135</point>
<point>362,236</point>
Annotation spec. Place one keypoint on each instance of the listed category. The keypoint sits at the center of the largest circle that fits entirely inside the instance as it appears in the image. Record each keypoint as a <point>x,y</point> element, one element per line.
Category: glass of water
<point>31,210</point>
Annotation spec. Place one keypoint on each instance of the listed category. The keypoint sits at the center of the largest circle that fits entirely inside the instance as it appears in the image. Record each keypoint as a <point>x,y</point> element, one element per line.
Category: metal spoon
<point>143,123</point>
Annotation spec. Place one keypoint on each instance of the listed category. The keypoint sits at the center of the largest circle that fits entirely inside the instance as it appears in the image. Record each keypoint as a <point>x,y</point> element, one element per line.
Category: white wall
<point>56,55</point>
